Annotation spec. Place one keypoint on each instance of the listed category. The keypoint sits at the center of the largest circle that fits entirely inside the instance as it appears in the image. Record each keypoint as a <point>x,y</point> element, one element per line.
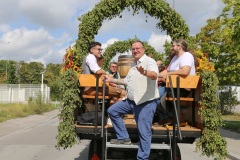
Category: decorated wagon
<point>195,116</point>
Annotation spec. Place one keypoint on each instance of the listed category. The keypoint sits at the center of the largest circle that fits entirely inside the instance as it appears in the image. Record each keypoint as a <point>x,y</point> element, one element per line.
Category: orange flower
<point>203,62</point>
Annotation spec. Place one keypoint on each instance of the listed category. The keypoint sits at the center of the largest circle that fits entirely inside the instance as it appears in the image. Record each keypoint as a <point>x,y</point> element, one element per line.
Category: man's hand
<point>107,78</point>
<point>163,74</point>
<point>140,69</point>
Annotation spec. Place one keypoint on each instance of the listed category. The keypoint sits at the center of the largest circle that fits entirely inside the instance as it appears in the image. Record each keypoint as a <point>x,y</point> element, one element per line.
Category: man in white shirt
<point>181,64</point>
<point>142,92</point>
<point>90,64</point>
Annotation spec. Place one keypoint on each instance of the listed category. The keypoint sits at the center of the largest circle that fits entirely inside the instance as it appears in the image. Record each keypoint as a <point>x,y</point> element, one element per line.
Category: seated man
<point>113,71</point>
<point>161,81</point>
<point>90,65</point>
<point>181,64</point>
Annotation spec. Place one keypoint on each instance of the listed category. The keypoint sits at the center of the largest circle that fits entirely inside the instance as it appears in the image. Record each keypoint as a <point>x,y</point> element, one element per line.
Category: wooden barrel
<point>125,62</point>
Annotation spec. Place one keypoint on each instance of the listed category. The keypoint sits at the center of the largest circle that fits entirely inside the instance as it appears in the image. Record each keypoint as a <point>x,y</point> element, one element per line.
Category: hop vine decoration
<point>210,143</point>
<point>71,100</point>
<point>169,20</point>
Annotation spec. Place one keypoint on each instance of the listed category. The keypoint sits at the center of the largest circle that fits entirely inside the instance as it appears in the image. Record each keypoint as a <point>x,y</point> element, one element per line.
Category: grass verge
<point>17,110</point>
<point>232,122</point>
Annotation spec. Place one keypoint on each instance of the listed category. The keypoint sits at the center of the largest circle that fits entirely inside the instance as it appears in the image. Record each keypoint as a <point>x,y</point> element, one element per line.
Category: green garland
<point>124,46</point>
<point>71,100</point>
<point>90,23</point>
<point>211,142</point>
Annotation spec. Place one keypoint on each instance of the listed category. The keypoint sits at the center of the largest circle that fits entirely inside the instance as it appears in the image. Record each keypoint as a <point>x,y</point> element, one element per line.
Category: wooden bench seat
<point>90,80</point>
<point>190,82</point>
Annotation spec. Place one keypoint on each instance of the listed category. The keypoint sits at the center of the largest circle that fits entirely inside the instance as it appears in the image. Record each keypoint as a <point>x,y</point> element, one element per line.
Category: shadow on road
<point>83,154</point>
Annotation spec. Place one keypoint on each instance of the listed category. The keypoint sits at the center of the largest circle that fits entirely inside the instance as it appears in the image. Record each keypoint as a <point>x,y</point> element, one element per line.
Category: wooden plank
<point>185,81</point>
<point>86,126</point>
<point>157,127</point>
<point>93,97</point>
<point>181,99</point>
<point>89,80</point>
<point>186,128</point>
<point>129,116</point>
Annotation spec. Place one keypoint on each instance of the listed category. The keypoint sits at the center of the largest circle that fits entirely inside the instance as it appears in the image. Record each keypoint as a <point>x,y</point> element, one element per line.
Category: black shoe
<point>121,141</point>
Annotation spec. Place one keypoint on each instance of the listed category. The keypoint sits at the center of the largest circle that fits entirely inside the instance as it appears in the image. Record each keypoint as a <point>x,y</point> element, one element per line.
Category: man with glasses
<point>142,92</point>
<point>113,71</point>
<point>90,65</point>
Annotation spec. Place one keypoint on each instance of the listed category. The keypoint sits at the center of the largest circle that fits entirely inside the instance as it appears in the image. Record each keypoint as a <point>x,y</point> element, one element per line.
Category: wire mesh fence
<point>20,93</point>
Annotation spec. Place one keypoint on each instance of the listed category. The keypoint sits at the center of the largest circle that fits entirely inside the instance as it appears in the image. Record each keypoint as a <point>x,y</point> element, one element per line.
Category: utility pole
<point>6,69</point>
<point>42,84</point>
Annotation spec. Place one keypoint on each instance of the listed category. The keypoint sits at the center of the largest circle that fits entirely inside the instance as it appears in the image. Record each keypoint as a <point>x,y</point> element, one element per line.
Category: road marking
<point>28,127</point>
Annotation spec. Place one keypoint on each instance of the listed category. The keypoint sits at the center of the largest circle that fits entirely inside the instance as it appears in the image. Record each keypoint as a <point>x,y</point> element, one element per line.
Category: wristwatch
<point>145,72</point>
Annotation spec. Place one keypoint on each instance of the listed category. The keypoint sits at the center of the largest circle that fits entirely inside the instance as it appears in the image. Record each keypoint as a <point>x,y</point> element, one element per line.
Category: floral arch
<point>90,23</point>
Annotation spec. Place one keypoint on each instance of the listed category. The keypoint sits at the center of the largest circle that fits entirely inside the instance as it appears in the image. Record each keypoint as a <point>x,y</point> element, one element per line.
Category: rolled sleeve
<point>92,63</point>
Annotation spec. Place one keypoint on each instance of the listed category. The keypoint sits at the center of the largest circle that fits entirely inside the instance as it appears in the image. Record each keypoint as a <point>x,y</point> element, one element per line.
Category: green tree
<point>11,72</point>
<point>220,39</point>
<point>3,71</point>
<point>30,73</point>
<point>167,50</point>
<point>52,71</point>
<point>53,80</point>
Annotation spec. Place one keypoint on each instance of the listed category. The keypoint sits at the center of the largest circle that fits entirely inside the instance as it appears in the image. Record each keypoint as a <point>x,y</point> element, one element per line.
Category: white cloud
<point>24,44</point>
<point>196,13</point>
<point>129,26</point>
<point>157,41</point>
<point>50,14</point>
<point>4,28</point>
<point>109,42</point>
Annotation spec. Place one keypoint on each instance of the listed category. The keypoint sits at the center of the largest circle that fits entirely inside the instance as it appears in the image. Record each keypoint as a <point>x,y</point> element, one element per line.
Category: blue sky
<point>32,30</point>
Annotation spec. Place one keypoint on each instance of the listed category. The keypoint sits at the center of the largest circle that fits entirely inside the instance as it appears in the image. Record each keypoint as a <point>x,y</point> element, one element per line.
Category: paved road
<point>33,138</point>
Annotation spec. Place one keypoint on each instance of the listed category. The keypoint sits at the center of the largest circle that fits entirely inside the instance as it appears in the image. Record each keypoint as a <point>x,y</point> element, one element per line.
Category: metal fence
<point>231,88</point>
<point>20,93</point>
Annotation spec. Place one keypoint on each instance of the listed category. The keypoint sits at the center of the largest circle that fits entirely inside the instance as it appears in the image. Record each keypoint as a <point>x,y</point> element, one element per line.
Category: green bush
<point>38,106</point>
